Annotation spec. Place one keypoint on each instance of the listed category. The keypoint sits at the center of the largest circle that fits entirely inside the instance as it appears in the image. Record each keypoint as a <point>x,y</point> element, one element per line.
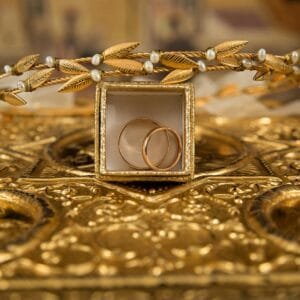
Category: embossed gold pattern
<point>64,234</point>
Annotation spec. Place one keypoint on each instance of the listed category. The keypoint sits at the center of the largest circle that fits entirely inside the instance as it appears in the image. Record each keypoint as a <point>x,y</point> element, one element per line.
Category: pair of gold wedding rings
<point>146,144</point>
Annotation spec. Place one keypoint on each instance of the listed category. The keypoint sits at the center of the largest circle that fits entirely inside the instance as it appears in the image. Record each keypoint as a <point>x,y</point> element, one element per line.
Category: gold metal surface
<point>231,233</point>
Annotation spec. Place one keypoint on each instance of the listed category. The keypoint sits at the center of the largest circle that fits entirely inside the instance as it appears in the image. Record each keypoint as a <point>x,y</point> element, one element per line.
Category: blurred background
<point>71,28</point>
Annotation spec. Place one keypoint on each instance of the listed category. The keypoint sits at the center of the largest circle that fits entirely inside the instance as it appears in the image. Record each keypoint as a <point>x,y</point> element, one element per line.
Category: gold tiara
<point>278,71</point>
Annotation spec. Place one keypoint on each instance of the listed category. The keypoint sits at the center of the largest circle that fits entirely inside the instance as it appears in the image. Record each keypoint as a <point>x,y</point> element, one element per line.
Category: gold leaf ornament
<point>230,61</point>
<point>261,75</point>
<point>71,67</point>
<point>277,64</point>
<point>77,83</point>
<point>25,63</point>
<point>12,99</point>
<point>129,66</point>
<point>177,61</point>
<point>177,76</point>
<point>229,48</point>
<point>119,50</point>
<point>38,78</point>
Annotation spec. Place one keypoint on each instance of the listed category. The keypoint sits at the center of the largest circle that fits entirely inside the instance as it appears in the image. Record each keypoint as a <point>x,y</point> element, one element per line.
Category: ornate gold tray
<point>233,232</point>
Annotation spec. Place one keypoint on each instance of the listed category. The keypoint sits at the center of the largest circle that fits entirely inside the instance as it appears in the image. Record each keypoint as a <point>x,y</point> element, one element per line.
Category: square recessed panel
<point>119,104</point>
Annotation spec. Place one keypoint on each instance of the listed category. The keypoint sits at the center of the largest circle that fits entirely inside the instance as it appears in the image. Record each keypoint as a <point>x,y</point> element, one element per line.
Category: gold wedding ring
<point>145,149</point>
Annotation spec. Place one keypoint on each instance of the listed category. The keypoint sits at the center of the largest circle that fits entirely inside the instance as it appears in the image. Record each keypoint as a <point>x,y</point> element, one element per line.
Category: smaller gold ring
<point>145,149</point>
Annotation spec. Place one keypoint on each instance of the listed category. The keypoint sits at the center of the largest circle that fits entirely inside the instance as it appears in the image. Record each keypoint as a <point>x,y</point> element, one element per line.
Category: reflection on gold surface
<point>286,216</point>
<point>276,214</point>
<point>22,218</point>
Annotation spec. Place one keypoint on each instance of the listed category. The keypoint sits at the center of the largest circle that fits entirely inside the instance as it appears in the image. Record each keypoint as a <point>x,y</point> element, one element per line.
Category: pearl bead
<point>201,66</point>
<point>154,57</point>
<point>21,85</point>
<point>262,54</point>
<point>96,75</point>
<point>247,63</point>
<point>50,61</point>
<point>96,59</point>
<point>210,54</point>
<point>296,70</point>
<point>7,69</point>
<point>295,57</point>
<point>148,66</point>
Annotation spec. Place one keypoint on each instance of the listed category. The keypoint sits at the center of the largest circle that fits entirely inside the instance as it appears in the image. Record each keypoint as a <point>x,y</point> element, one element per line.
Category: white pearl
<point>96,75</point>
<point>148,66</point>
<point>296,70</point>
<point>210,54</point>
<point>295,57</point>
<point>154,57</point>
<point>201,66</point>
<point>247,63</point>
<point>96,59</point>
<point>7,69</point>
<point>21,85</point>
<point>50,61</point>
<point>262,54</point>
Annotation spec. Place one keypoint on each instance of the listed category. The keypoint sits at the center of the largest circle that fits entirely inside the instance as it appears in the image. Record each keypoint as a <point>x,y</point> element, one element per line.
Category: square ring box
<point>119,104</point>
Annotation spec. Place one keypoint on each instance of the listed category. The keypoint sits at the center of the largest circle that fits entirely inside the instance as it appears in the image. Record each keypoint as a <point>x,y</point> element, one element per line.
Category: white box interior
<point>165,107</point>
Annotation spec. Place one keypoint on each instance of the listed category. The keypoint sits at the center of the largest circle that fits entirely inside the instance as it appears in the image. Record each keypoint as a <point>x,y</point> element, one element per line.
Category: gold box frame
<point>183,175</point>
